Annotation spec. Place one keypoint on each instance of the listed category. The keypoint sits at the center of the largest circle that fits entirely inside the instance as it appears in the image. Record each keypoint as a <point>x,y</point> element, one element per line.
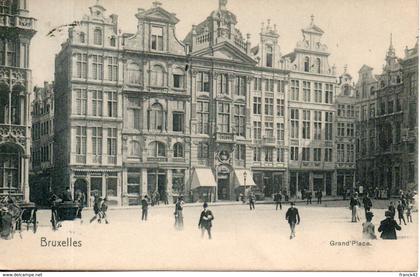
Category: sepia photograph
<point>209,135</point>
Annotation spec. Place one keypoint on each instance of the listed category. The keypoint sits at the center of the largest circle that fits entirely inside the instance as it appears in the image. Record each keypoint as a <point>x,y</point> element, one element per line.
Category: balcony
<point>270,141</point>
<point>225,137</point>
<point>26,23</point>
<point>157,159</point>
<point>13,133</point>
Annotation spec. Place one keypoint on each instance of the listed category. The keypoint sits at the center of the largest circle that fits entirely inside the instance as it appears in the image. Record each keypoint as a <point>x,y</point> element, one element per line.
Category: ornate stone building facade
<point>387,124</point>
<point>205,117</point>
<point>16,31</point>
<point>42,112</point>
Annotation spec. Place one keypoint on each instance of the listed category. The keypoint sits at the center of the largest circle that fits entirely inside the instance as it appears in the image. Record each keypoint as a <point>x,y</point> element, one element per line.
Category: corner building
<point>16,31</point>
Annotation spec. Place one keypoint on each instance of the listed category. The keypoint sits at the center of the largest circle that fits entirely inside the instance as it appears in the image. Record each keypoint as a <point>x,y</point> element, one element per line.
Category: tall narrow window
<point>113,41</point>
<point>81,65</point>
<point>81,101</point>
<point>318,65</point>
<point>223,118</point>
<point>268,106</point>
<point>203,150</point>
<point>2,52</point>
<point>257,130</point>
<point>82,37</point>
<point>97,102</point>
<point>15,107</point>
<point>280,107</point>
<point>178,150</point>
<point>239,119</point>
<point>306,64</point>
<point>269,56</point>
<point>97,36</point>
<point>97,67</point>
<point>328,125</point>
<point>294,122</point>
<point>280,131</point>
<point>157,76</point>
<point>306,91</point>
<point>257,105</point>
<point>178,121</point>
<point>328,93</point>
<point>112,145</point>
<point>157,38</point>
<point>80,144</point>
<point>203,83</point>
<point>156,117</point>
<point>318,92</point>
<point>112,104</point>
<point>112,68</point>
<point>202,117</point>
<point>222,84</point>
<point>294,90</point>
<point>97,144</point>
<point>11,53</point>
<point>240,86</point>
<point>306,124</point>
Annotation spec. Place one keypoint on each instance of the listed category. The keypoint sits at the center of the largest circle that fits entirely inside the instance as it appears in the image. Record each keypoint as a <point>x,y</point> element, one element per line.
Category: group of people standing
<point>389,225</point>
<point>204,223</point>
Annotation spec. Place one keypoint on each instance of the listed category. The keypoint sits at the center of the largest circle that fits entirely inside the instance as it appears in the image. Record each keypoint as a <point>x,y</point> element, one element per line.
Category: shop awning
<point>203,177</point>
<point>239,178</point>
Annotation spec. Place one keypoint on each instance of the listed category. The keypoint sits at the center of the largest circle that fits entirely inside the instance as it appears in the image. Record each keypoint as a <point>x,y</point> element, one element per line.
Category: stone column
<point>143,182</point>
<point>25,181</point>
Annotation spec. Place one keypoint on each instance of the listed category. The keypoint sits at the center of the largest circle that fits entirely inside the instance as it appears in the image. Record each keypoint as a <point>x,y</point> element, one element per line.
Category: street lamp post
<point>245,181</point>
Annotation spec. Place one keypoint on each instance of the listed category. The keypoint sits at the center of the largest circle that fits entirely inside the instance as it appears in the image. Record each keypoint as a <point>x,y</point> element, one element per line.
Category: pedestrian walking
<point>251,201</point>
<point>166,198</point>
<point>309,197</point>
<point>400,210</point>
<point>319,197</point>
<point>103,211</point>
<point>144,207</point>
<point>368,227</point>
<point>157,197</point>
<point>277,199</point>
<point>353,208</point>
<point>367,204</point>
<point>205,222</point>
<point>293,218</point>
<point>388,227</point>
<point>391,208</point>
<point>409,209</point>
<point>96,208</point>
<point>79,200</point>
<point>179,217</point>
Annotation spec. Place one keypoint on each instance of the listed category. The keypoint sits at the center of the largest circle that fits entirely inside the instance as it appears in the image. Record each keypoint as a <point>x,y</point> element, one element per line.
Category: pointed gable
<point>157,14</point>
<point>225,51</point>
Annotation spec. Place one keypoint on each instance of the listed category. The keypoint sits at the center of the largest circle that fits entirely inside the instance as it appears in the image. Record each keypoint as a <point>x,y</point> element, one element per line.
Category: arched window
<point>4,103</point>
<point>134,148</point>
<point>157,78</point>
<point>97,36</point>
<point>82,37</point>
<point>178,150</point>
<point>372,90</point>
<point>306,64</point>
<point>318,65</point>
<point>346,90</point>
<point>269,56</point>
<point>178,77</point>
<point>134,74</point>
<point>15,110</point>
<point>113,41</point>
<point>156,149</point>
<point>156,117</point>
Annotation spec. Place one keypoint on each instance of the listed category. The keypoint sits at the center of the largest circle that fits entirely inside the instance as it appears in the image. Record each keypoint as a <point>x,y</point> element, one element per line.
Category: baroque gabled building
<point>16,31</point>
<point>311,111</point>
<point>205,117</point>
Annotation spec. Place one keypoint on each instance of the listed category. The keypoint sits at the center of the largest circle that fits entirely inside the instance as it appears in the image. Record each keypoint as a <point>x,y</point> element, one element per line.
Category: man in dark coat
<point>6,223</point>
<point>388,227</point>
<point>367,203</point>
<point>277,199</point>
<point>319,197</point>
<point>67,195</point>
<point>391,208</point>
<point>292,216</point>
<point>309,197</point>
<point>144,207</point>
<point>251,200</point>
<point>205,222</point>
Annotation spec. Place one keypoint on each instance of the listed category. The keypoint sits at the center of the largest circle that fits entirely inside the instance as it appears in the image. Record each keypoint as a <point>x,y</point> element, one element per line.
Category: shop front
<point>203,185</point>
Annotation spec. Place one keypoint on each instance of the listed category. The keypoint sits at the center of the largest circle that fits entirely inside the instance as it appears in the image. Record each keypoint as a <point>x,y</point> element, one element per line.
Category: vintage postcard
<point>211,135</point>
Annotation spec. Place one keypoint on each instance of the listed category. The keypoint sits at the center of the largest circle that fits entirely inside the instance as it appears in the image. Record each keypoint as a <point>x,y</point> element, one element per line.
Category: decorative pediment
<point>158,14</point>
<point>226,51</point>
<point>223,97</point>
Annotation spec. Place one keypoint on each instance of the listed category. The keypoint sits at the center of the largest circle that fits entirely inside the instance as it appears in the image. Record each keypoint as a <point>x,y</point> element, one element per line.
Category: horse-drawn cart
<point>62,211</point>
<point>27,217</point>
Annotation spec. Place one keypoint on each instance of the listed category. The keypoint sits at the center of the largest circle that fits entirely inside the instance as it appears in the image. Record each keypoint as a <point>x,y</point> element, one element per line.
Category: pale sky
<point>357,32</point>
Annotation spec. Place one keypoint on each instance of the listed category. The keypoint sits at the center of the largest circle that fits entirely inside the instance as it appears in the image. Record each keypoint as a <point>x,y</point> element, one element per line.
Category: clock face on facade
<point>224,155</point>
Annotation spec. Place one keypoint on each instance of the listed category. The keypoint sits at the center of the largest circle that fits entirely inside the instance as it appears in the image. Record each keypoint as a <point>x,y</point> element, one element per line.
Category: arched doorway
<point>81,186</point>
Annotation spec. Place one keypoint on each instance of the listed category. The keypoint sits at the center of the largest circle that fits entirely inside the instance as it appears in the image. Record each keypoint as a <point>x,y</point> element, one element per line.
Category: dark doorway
<point>318,184</point>
<point>223,186</point>
<point>80,186</point>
